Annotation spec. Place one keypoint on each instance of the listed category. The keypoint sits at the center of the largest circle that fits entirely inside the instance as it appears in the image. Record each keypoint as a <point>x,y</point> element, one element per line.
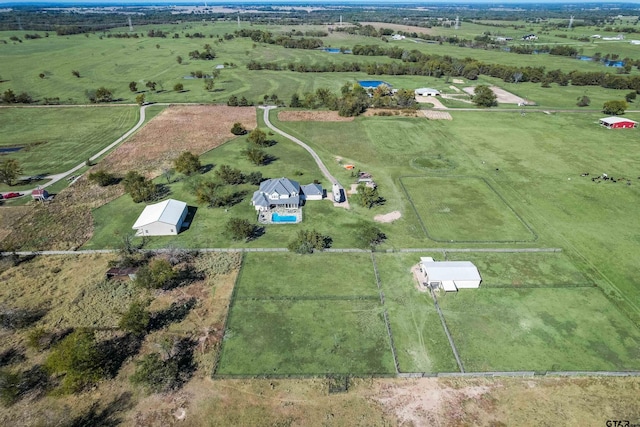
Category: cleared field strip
<point>451,209</point>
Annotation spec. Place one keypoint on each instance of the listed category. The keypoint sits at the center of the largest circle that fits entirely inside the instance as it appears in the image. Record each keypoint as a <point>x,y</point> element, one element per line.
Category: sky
<point>315,2</point>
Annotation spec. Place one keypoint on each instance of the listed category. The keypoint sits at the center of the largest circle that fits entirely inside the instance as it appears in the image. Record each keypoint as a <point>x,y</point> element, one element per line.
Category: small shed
<point>161,219</point>
<point>40,194</point>
<point>450,275</point>
<point>427,91</point>
<point>121,273</point>
<point>614,122</point>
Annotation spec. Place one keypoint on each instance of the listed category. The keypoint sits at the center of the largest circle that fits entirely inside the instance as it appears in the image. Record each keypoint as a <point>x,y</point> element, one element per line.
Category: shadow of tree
<point>109,416</point>
<point>175,313</point>
<point>11,356</point>
<point>117,350</point>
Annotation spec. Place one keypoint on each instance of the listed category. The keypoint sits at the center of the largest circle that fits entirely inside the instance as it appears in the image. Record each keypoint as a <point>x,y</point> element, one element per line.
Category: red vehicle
<point>12,195</point>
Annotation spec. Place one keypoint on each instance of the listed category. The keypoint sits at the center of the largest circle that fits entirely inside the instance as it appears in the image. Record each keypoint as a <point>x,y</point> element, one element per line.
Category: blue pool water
<point>372,83</point>
<point>283,218</point>
<point>332,50</point>
<point>10,149</point>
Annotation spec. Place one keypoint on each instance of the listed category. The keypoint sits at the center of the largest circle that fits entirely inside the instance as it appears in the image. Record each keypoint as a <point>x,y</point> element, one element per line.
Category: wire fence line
<point>385,315</point>
<point>309,298</point>
<point>446,331</point>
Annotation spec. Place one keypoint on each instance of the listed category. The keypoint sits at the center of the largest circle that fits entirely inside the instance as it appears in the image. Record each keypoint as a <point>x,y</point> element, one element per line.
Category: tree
<point>308,241</point>
<point>10,170</point>
<point>155,374</point>
<point>155,275</point>
<point>614,107</point>
<point>24,98</point>
<point>178,87</point>
<point>258,137</point>
<point>368,196</point>
<point>187,163</point>
<point>102,178</point>
<point>42,75</point>
<point>140,188</point>
<point>257,156</point>
<point>233,101</point>
<point>9,96</point>
<point>230,175</point>
<point>484,96</point>
<point>135,319</point>
<point>179,59</point>
<point>243,102</point>
<point>140,99</point>
<point>238,129</point>
<point>151,85</point>
<point>76,73</point>
<point>102,94</point>
<point>295,101</point>
<point>208,84</point>
<point>583,101</point>
<point>631,96</point>
<point>240,229</point>
<point>254,178</point>
<point>133,86</point>
<point>77,357</point>
<point>370,236</point>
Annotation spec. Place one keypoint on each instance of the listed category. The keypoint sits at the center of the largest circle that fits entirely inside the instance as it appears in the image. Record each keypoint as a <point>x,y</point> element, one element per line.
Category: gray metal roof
<point>440,271</point>
<point>281,186</point>
<point>312,189</point>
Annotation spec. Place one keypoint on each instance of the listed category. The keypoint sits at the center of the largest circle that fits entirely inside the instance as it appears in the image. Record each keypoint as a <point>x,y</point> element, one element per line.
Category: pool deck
<point>265,217</point>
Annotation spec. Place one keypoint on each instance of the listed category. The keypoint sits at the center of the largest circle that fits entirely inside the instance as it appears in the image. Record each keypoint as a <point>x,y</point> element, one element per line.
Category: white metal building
<point>427,91</point>
<point>161,219</point>
<point>450,275</point>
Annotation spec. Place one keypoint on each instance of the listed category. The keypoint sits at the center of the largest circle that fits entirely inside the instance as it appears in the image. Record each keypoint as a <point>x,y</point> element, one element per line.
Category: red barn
<point>617,122</point>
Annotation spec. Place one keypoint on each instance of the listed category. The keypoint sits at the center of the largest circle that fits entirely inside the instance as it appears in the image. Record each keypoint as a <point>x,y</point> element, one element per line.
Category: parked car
<point>12,195</point>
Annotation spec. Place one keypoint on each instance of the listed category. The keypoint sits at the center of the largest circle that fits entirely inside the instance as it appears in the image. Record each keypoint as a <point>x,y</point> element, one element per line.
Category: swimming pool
<point>332,50</point>
<point>372,83</point>
<point>275,217</point>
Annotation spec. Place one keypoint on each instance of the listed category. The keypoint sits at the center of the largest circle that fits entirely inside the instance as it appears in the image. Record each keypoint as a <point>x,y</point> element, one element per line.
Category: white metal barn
<point>161,219</point>
<point>450,275</point>
<point>427,91</point>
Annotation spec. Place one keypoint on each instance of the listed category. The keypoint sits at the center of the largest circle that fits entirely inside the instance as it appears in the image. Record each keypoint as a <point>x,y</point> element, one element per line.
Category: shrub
<point>254,178</point>
<point>230,175</point>
<point>369,236</point>
<point>308,241</point>
<point>238,129</point>
<point>140,188</point>
<point>187,163</point>
<point>240,229</point>
<point>614,107</point>
<point>258,137</point>
<point>102,178</point>
<point>157,274</point>
<point>583,101</point>
<point>178,87</point>
<point>154,374</point>
<point>135,319</point>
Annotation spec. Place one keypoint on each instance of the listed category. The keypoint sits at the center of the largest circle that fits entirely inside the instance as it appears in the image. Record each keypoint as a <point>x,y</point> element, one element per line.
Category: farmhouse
<point>449,275</point>
<point>427,91</point>
<point>161,219</point>
<point>274,193</point>
<point>617,122</point>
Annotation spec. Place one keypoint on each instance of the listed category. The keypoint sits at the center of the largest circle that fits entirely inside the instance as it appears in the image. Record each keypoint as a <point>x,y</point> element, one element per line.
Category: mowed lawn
<point>420,342</point>
<point>540,329</point>
<point>463,209</point>
<point>527,269</point>
<point>57,139</point>
<point>299,314</point>
<point>290,275</point>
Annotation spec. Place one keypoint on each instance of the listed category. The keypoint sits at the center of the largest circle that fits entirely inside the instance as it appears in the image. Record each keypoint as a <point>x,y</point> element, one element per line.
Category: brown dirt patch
<point>390,217</point>
<point>312,116</point>
<point>389,112</point>
<point>399,27</point>
<point>177,129</point>
<point>436,115</point>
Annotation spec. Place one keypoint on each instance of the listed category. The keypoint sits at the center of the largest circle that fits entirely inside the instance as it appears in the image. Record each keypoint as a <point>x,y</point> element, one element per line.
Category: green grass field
<point>524,269</point>
<point>57,139</point>
<point>451,208</point>
<point>281,275</point>
<point>540,329</point>
<point>296,314</point>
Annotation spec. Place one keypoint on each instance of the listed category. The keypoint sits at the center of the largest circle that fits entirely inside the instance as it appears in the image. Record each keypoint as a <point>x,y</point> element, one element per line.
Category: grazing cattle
<point>585,174</point>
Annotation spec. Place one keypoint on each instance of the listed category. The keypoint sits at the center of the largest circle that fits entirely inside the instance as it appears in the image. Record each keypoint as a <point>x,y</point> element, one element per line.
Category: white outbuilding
<point>427,91</point>
<point>450,275</point>
<point>161,219</point>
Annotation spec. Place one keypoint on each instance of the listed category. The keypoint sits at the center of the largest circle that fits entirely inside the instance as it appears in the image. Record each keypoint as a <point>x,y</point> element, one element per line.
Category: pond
<point>4,150</point>
<point>372,83</point>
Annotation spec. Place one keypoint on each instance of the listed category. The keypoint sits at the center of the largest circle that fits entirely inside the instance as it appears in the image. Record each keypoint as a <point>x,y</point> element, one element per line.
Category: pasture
<point>295,315</point>
<point>57,139</point>
<point>540,329</point>
<point>452,207</point>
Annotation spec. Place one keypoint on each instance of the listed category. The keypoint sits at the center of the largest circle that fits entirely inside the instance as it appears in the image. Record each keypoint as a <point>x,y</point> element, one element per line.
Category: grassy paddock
<point>282,275</point>
<point>540,329</point>
<point>451,208</point>
<point>306,337</point>
<point>524,269</point>
<point>420,342</point>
